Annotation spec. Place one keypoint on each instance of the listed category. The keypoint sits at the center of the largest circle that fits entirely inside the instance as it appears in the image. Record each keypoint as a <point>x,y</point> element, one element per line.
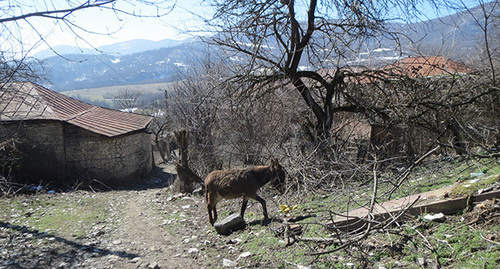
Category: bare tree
<point>127,99</point>
<point>193,105</point>
<point>186,176</point>
<point>290,40</point>
<point>159,128</point>
<point>486,16</point>
<point>22,19</point>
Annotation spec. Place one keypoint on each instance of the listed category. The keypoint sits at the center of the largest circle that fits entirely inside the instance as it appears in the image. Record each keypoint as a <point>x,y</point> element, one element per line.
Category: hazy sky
<point>107,26</point>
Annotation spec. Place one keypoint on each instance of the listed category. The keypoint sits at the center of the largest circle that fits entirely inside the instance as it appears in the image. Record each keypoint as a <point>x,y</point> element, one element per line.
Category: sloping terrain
<point>151,227</point>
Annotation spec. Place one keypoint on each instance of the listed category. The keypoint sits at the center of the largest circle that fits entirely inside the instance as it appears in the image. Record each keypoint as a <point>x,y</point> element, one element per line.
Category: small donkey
<point>235,183</point>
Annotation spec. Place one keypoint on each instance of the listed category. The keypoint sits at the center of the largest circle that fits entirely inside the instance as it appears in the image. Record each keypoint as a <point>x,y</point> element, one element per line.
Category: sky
<point>107,27</point>
<point>38,34</point>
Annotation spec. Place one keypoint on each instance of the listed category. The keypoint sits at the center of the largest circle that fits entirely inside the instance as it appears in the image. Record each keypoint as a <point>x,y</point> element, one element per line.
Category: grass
<point>436,175</point>
<point>104,92</point>
<point>457,242</point>
<point>449,244</point>
<point>60,215</point>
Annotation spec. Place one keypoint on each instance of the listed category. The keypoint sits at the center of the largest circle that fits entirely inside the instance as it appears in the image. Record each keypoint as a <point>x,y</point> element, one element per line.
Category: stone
<point>153,265</point>
<point>230,224</point>
<point>229,263</point>
<point>198,191</point>
<point>244,255</point>
<point>136,260</point>
<point>440,217</point>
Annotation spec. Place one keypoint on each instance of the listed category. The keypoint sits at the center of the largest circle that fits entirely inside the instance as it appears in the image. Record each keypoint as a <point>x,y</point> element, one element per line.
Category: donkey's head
<point>278,181</point>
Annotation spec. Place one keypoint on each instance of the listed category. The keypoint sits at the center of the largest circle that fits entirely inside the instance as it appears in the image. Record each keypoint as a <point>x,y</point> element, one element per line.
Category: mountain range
<point>117,49</point>
<point>124,63</point>
<point>141,61</point>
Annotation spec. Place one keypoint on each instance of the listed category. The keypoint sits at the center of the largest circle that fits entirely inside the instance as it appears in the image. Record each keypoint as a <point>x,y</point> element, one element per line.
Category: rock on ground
<point>230,224</point>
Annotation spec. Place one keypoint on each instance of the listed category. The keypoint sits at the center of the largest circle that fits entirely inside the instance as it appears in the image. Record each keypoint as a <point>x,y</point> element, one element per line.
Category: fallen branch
<point>486,239</point>
<point>329,251</point>
<point>408,171</point>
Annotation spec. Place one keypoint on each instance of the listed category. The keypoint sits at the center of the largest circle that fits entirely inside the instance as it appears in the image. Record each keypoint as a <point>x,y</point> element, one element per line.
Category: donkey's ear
<point>275,162</point>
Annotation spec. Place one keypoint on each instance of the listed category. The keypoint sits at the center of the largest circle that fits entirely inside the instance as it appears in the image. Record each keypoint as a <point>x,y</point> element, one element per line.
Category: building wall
<point>59,153</point>
<point>42,145</point>
<point>114,160</point>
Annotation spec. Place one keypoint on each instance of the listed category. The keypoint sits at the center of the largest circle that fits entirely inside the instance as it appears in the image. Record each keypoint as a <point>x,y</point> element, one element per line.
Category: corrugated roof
<point>29,101</point>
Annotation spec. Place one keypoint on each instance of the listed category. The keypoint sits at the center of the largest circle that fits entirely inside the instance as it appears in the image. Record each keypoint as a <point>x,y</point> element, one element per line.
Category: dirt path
<point>144,235</point>
<point>150,227</point>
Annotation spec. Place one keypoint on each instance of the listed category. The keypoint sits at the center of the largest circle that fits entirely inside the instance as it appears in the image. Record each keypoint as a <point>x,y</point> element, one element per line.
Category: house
<point>401,138</point>
<point>392,87</point>
<point>64,141</point>
<point>427,66</point>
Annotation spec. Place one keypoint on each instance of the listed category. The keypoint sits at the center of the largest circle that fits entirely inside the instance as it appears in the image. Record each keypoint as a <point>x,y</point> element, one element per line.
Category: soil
<point>149,227</point>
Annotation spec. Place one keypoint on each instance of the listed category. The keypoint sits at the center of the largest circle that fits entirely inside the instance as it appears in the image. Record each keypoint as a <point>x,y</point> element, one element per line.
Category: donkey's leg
<point>244,206</point>
<point>210,218</point>
<point>215,213</point>
<point>263,203</point>
<point>212,208</point>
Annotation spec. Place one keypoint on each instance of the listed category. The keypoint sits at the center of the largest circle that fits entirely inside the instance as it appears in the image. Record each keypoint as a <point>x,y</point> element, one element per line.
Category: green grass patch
<point>473,185</point>
<point>61,215</point>
<point>464,247</point>
<point>449,244</point>
<point>441,183</point>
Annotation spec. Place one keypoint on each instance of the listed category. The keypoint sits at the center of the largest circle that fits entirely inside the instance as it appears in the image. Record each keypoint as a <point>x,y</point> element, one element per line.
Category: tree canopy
<point>290,41</point>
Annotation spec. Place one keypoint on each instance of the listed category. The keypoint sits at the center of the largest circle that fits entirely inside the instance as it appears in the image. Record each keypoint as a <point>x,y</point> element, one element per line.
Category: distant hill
<point>161,64</point>
<point>142,61</point>
<point>120,48</point>
<point>456,36</point>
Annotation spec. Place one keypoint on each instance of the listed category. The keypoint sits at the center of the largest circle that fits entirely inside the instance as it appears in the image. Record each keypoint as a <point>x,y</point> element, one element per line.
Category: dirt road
<point>148,228</point>
<point>154,231</point>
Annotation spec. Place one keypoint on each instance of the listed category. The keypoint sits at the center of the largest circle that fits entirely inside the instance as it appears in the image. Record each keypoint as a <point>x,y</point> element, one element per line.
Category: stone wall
<point>42,145</point>
<point>60,153</point>
<point>115,160</point>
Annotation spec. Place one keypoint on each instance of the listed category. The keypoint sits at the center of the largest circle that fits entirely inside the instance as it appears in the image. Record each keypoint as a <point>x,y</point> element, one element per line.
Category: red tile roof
<point>29,101</point>
<point>414,67</point>
<point>427,66</point>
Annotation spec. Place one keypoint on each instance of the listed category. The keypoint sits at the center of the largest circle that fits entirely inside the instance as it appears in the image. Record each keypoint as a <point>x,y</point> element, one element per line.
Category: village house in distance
<point>64,141</point>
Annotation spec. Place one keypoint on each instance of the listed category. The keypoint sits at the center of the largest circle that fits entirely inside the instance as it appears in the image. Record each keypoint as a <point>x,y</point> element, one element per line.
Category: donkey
<point>235,183</point>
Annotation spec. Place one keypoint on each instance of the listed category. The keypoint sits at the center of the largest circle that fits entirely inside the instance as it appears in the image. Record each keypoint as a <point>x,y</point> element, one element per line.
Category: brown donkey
<point>235,183</point>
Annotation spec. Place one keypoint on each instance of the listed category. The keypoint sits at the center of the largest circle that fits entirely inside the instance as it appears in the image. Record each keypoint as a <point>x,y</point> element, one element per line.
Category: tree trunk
<point>185,177</point>
<point>161,150</point>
